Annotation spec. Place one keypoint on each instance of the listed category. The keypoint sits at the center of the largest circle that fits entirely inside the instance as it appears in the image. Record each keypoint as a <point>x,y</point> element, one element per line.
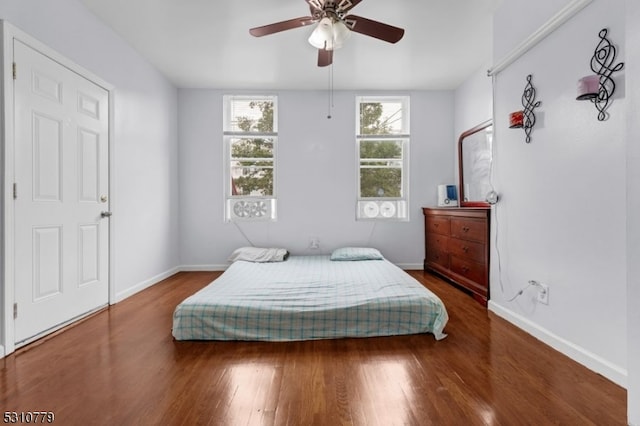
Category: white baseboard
<point>410,266</point>
<point>145,284</point>
<point>593,362</point>
<point>164,275</point>
<point>195,268</point>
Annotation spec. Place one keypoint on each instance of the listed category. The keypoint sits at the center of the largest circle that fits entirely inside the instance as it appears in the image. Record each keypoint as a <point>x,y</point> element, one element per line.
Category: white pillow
<point>356,253</point>
<point>257,254</point>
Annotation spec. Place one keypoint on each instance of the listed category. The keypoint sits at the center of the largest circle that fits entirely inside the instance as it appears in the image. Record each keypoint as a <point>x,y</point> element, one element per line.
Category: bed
<point>307,298</point>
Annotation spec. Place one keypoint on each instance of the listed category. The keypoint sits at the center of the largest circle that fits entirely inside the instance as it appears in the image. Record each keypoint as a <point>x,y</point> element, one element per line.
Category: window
<point>382,140</point>
<point>250,140</point>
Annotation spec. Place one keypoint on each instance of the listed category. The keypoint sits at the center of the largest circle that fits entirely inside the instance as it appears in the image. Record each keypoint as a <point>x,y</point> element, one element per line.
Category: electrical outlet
<point>543,293</point>
<point>314,243</point>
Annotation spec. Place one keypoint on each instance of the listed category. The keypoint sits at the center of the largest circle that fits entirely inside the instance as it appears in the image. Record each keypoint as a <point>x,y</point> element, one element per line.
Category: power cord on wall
<point>373,228</point>
<point>497,227</point>
<point>243,234</point>
<point>494,200</point>
<point>496,207</point>
<point>531,283</point>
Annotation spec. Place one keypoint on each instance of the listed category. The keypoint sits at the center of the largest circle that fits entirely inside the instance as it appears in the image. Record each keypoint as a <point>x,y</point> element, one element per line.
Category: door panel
<point>61,172</point>
<point>47,156</point>
<point>47,262</point>
<point>89,254</point>
<point>89,156</point>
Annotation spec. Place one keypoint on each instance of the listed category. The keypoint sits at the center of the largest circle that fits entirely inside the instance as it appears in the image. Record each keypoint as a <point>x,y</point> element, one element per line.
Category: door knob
<point>105,214</point>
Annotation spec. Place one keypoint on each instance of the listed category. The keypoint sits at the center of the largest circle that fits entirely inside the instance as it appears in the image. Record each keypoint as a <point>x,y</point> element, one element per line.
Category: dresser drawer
<point>439,257</point>
<point>438,242</point>
<point>467,249</point>
<point>473,271</point>
<point>438,249</point>
<point>438,225</point>
<point>469,229</point>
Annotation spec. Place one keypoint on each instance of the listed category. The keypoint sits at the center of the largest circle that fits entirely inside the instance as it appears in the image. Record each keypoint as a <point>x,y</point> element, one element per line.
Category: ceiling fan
<point>333,27</point>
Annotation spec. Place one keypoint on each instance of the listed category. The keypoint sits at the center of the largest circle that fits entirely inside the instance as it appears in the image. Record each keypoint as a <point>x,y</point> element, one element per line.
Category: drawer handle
<point>465,249</point>
<point>465,269</point>
<point>435,225</point>
<point>465,229</point>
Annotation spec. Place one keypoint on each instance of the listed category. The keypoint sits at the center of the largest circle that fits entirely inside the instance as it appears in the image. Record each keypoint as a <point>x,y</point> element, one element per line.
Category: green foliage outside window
<point>252,158</point>
<point>380,160</point>
<point>380,169</point>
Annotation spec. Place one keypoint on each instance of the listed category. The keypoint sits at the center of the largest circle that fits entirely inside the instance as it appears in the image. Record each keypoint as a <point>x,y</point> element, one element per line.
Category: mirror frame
<point>464,135</point>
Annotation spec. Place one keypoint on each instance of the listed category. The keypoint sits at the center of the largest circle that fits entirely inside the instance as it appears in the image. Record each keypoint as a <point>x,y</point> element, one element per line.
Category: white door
<point>61,176</point>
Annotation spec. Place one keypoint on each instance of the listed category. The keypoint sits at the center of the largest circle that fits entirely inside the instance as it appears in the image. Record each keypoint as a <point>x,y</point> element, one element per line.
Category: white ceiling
<point>206,43</point>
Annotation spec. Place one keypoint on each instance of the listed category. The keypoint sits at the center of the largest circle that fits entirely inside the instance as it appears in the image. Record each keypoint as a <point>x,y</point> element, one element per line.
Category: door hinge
<point>15,72</point>
<point>15,191</point>
<point>15,310</point>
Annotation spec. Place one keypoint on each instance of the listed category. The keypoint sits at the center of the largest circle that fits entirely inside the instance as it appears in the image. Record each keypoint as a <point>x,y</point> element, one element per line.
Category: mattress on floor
<point>309,297</point>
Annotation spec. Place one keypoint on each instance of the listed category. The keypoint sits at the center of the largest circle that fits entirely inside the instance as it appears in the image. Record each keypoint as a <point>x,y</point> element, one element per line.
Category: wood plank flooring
<point>122,367</point>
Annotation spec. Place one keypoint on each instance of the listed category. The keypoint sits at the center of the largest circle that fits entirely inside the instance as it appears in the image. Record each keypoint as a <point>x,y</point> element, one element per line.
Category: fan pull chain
<point>330,91</point>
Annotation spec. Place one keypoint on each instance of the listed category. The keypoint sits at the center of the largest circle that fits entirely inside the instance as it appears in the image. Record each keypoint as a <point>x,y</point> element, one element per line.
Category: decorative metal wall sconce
<point>599,88</point>
<point>526,118</point>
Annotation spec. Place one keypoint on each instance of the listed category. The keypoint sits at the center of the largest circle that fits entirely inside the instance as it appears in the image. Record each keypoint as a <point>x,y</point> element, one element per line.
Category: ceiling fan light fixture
<point>329,34</point>
<point>322,35</point>
<point>341,33</point>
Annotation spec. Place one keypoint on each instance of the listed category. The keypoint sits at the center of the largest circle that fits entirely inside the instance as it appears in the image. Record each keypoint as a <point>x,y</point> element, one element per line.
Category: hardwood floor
<point>121,366</point>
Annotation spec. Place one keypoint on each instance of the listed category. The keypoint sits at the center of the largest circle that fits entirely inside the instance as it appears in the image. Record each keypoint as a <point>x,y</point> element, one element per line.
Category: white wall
<point>473,102</point>
<point>145,194</point>
<point>316,177</point>
<point>562,215</point>
<point>633,210</point>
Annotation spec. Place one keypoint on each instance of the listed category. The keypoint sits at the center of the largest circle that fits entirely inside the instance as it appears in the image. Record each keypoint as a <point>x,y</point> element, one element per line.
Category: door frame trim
<point>7,260</point>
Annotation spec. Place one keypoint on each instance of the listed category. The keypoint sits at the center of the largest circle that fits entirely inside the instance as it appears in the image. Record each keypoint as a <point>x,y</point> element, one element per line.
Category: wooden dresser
<point>457,246</point>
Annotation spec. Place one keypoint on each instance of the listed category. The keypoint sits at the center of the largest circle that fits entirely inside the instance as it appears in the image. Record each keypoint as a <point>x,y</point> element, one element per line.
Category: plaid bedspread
<point>309,297</point>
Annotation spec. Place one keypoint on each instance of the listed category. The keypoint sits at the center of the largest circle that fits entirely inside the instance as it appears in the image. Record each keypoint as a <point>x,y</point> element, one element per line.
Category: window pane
<point>252,166</point>
<point>251,115</point>
<point>380,182</point>
<point>382,118</point>
<point>380,168</point>
<point>380,149</point>
<point>251,179</point>
<point>252,148</point>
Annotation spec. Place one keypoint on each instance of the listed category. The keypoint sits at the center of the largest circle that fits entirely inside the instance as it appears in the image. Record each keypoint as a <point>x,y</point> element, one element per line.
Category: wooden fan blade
<point>325,57</point>
<point>315,5</point>
<point>375,29</point>
<point>281,26</point>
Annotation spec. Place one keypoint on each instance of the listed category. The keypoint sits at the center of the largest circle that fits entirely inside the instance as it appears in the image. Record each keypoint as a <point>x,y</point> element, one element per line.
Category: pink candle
<point>588,87</point>
<point>516,119</point>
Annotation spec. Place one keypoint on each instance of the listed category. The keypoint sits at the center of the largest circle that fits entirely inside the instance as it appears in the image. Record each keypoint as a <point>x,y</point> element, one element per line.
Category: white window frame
<point>248,208</point>
<point>384,208</point>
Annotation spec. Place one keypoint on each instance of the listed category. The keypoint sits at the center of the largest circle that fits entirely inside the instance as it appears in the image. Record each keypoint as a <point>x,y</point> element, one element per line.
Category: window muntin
<point>250,134</point>
<point>382,139</point>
